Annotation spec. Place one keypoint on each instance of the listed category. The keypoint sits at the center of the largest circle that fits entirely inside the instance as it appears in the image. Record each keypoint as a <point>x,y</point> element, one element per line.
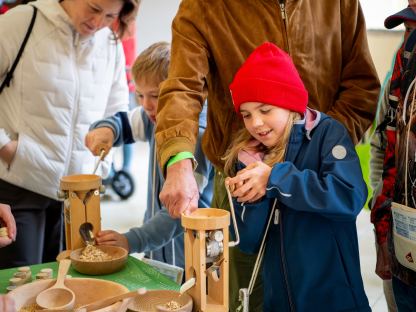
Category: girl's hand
<point>112,238</point>
<point>250,183</point>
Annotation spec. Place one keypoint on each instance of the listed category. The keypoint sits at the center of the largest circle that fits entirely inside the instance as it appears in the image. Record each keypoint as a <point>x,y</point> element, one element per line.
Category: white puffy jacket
<point>62,84</point>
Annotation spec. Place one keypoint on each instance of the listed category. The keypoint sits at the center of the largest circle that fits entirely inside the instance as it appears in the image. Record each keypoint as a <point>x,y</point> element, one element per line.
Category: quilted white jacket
<point>62,84</point>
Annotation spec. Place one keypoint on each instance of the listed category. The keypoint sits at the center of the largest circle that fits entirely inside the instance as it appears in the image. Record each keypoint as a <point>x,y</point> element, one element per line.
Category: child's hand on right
<point>250,183</point>
<point>112,238</point>
<point>99,139</point>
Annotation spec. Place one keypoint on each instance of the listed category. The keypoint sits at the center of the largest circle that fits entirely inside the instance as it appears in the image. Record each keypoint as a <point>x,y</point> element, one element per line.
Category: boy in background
<point>160,237</point>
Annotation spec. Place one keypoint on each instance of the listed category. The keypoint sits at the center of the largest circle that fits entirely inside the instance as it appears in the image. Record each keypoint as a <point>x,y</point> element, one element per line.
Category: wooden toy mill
<point>207,258</point>
<point>81,194</point>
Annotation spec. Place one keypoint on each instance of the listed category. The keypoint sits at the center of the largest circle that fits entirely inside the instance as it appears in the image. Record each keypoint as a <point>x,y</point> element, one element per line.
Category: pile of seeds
<point>93,254</point>
<point>173,305</point>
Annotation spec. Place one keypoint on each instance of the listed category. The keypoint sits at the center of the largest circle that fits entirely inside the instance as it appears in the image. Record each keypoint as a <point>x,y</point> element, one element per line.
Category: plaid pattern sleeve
<point>381,211</point>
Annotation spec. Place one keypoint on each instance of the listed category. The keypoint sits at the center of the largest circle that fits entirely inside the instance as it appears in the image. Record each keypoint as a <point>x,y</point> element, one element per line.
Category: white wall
<point>375,11</point>
<point>154,21</point>
<point>383,45</point>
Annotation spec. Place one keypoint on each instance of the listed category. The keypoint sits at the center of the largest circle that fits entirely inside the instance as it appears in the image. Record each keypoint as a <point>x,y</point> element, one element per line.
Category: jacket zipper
<point>284,269</point>
<point>284,18</point>
<point>76,105</point>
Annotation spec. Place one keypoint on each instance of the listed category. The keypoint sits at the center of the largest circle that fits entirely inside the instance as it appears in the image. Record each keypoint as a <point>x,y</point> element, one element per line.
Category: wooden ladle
<point>58,296</point>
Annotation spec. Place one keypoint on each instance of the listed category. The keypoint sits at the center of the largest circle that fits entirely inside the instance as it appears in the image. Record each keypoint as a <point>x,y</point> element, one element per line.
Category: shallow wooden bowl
<point>156,300</point>
<point>86,290</point>
<point>119,258</point>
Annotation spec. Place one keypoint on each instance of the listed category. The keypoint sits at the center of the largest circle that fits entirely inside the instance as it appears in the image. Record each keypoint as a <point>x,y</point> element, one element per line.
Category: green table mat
<point>134,275</point>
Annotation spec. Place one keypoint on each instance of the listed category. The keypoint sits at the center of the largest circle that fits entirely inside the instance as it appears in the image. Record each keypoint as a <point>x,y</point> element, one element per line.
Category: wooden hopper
<point>81,194</point>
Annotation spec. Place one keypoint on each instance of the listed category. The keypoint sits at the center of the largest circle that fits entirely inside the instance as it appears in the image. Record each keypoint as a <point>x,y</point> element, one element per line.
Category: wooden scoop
<point>58,296</point>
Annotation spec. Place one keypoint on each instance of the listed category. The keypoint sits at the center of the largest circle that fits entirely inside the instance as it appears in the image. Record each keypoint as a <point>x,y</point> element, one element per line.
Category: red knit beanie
<point>269,76</point>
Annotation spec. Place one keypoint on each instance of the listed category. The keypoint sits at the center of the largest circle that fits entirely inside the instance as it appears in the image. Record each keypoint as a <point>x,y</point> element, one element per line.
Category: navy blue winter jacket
<point>311,260</point>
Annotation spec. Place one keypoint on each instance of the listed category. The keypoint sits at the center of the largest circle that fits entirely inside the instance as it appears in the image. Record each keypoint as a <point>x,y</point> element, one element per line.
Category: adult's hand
<point>180,190</point>
<point>7,304</point>
<point>250,183</point>
<point>99,139</point>
<point>7,218</point>
<point>8,151</point>
<point>383,266</point>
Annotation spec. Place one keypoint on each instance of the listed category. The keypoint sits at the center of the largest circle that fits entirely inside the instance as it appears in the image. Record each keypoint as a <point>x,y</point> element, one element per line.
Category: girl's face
<point>266,123</point>
<point>89,16</point>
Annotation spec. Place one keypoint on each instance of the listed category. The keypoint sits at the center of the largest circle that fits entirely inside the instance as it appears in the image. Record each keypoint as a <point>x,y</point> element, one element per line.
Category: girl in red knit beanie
<point>297,188</point>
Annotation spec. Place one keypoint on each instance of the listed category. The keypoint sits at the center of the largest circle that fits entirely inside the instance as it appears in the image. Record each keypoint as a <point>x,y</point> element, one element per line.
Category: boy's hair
<point>153,63</point>
<point>272,155</point>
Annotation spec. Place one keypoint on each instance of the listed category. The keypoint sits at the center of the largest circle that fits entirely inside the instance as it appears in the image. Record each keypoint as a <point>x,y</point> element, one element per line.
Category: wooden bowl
<point>119,258</point>
<point>156,300</point>
<point>86,290</point>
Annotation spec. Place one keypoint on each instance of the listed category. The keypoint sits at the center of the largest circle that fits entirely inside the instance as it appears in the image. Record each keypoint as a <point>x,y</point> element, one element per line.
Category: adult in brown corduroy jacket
<point>210,40</point>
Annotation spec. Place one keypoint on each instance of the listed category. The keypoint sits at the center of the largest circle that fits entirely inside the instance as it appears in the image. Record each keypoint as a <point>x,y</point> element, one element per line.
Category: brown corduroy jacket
<point>212,38</point>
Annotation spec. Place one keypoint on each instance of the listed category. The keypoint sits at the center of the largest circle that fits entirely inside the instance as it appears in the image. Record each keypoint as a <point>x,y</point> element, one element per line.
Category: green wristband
<point>178,157</point>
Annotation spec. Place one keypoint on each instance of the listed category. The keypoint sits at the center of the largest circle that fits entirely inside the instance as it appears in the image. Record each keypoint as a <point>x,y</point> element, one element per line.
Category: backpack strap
<point>9,75</point>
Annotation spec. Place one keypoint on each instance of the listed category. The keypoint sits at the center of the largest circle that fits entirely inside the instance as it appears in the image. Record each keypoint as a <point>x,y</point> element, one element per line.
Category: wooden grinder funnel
<point>203,227</point>
<point>81,194</point>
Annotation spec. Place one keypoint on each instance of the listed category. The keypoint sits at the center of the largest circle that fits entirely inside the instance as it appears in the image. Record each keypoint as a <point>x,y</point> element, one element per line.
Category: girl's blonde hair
<point>272,155</point>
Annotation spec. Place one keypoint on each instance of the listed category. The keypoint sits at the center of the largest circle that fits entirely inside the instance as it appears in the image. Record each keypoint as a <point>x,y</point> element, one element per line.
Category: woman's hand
<point>8,151</point>
<point>99,139</point>
<point>383,266</point>
<point>112,238</point>
<point>250,183</point>
<point>7,219</point>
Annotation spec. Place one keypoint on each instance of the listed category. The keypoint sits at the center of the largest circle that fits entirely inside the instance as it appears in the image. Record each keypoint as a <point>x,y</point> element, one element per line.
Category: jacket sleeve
<point>359,87</point>
<point>335,190</point>
<point>182,95</point>
<point>150,236</point>
<point>13,27</point>
<point>128,127</point>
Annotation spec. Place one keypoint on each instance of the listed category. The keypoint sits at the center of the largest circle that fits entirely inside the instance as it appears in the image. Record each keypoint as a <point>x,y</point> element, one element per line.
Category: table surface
<point>135,274</point>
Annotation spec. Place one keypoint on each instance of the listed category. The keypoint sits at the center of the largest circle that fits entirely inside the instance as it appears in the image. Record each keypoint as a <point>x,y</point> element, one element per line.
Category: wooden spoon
<point>99,304</point>
<point>58,296</point>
